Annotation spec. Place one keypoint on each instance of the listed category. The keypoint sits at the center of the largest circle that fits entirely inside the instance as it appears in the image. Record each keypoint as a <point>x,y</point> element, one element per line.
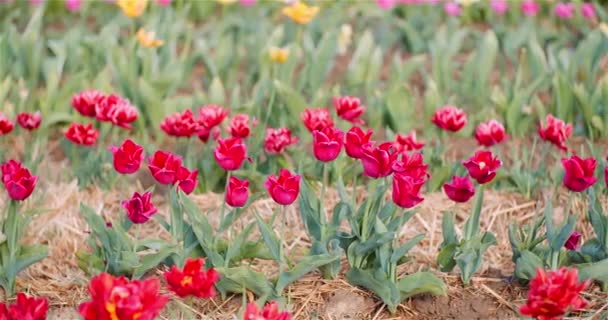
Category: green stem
<point>223,212</point>
<point>11,231</point>
<point>136,238</point>
<point>322,213</point>
<point>282,247</point>
<point>472,224</point>
<point>354,190</point>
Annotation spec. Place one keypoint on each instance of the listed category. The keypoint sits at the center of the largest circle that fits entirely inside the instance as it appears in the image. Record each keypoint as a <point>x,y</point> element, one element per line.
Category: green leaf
<point>235,246</point>
<point>405,248</point>
<point>526,265</point>
<point>445,258</point>
<point>597,271</point>
<point>153,260</point>
<point>302,267</point>
<point>294,101</point>
<point>217,94</point>
<point>375,241</point>
<point>270,238</point>
<point>29,255</point>
<point>381,287</point>
<point>421,283</point>
<point>561,239</point>
<point>239,278</point>
<point>448,229</point>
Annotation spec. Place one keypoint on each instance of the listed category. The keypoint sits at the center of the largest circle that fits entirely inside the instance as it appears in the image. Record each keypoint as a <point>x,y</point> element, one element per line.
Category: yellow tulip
<point>300,12</point>
<point>148,39</point>
<point>132,8</point>
<point>226,1</point>
<point>278,55</point>
<point>466,3</point>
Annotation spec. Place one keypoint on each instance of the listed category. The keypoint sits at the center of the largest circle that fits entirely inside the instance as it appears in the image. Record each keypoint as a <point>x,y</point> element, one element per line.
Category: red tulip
<point>28,120</point>
<point>25,308</point>
<point>406,190</point>
<point>82,134</point>
<point>411,165</point>
<point>105,106</point>
<point>18,180</point>
<point>270,312</point>
<point>180,124</point>
<point>9,168</point>
<point>239,126</point>
<point>186,179</point>
<point>490,133</point>
<point>573,242</point>
<point>482,166</point>
<point>408,143</point>
<point>6,125</point>
<point>204,134</point>
<point>285,188</point>
<point>237,192</point>
<point>85,102</point>
<point>122,114</point>
<point>556,132</point>
<point>277,140</point>
<point>127,157</point>
<point>378,161</point>
<point>120,299</point>
<point>140,208</point>
<point>164,166</point>
<point>317,119</point>
<point>349,109</point>
<point>450,118</point>
<point>579,173</point>
<point>230,153</point>
<point>355,140</point>
<point>211,116</point>
<point>192,280</point>
<point>461,189</point>
<point>554,294</point>
<point>327,143</point>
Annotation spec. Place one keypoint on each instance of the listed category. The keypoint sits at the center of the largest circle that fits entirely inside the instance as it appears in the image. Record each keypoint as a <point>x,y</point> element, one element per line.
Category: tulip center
<point>482,165</point>
<point>111,308</point>
<point>187,280</point>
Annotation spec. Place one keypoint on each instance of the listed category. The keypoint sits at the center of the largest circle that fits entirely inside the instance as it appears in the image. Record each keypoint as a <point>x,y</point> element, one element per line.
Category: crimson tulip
<point>127,157</point>
<point>104,107</point>
<point>25,308</point>
<point>18,181</point>
<point>556,132</point>
<point>553,294</point>
<point>461,189</point>
<point>406,190</point>
<point>349,109</point>
<point>327,143</point>
<point>164,166</point>
<point>6,125</point>
<point>490,133</point>
<point>180,124</point>
<point>85,102</point>
<point>378,161</point>
<point>211,116</point>
<point>239,126</point>
<point>277,140</point>
<point>186,179</point>
<point>269,312</point>
<point>573,242</point>
<point>29,121</point>
<point>204,134</point>
<point>140,207</point>
<point>82,134</point>
<point>285,188</point>
<point>192,280</point>
<point>408,143</point>
<point>317,119</point>
<point>450,118</point>
<point>230,153</point>
<point>482,166</point>
<point>412,165</point>
<point>237,192</point>
<point>115,298</point>
<point>122,114</point>
<point>579,173</point>
<point>355,139</point>
<point>9,168</point>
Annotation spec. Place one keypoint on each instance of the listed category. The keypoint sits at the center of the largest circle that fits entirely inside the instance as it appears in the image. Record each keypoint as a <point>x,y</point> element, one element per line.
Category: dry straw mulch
<point>491,296</point>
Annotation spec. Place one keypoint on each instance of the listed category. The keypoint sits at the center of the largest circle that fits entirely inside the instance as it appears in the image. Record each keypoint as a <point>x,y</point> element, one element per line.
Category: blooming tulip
<point>556,132</point>
<point>211,116</point>
<point>499,7</point>
<point>378,161</point>
<point>192,280</point>
<point>482,166</point>
<point>355,140</point>
<point>164,166</point>
<point>127,157</point>
<point>25,308</point>
<point>554,294</point>
<point>269,312</point>
<point>85,102</point>
<point>180,124</point>
<point>276,140</point>
<point>412,165</point>
<point>237,192</point>
<point>461,189</point>
<point>230,153</point>
<point>564,10</point>
<point>186,180</point>
<point>17,180</point>
<point>450,118</point>
<point>122,114</point>
<point>490,133</point>
<point>530,8</point>
<point>406,191</point>
<point>408,142</point>
<point>300,12</point>
<point>118,298</point>
<point>6,125</point>
<point>588,11</point>
<point>29,121</point>
<point>140,208</point>
<point>285,188</point>
<point>579,173</point>
<point>349,109</point>
<point>317,119</point>
<point>239,126</point>
<point>82,134</point>
<point>327,143</point>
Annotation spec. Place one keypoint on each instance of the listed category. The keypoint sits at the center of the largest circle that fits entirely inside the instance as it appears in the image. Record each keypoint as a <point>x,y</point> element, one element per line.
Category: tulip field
<point>303,159</point>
